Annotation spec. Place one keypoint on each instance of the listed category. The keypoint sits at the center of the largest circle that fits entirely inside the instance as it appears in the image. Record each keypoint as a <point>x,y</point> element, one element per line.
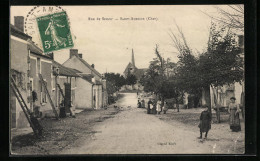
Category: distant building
<point>132,69</point>
<point>97,90</point>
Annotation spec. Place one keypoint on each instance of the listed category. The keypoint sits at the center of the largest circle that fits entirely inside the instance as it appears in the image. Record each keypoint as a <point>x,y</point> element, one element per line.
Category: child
<point>205,122</point>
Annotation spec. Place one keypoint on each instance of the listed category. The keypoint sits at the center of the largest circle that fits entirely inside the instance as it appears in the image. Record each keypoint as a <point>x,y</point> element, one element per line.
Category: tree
<point>152,80</point>
<point>171,89</point>
<point>222,64</point>
<point>154,77</point>
<point>158,79</point>
<point>131,79</point>
<point>114,82</point>
<point>187,71</point>
<point>232,16</point>
<point>111,88</point>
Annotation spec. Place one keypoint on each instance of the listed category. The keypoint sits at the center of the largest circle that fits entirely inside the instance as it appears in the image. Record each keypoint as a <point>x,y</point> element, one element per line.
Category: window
<point>53,83</point>
<point>43,93</point>
<point>19,79</point>
<point>38,66</point>
<point>31,84</point>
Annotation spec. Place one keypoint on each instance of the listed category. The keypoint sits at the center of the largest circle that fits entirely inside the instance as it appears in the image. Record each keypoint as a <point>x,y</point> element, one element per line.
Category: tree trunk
<point>177,105</point>
<point>216,101</point>
<point>207,97</point>
<point>218,112</point>
<point>196,101</point>
<point>162,102</point>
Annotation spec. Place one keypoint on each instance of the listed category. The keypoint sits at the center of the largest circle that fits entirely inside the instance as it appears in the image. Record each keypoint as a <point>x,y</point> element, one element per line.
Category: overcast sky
<point>108,44</point>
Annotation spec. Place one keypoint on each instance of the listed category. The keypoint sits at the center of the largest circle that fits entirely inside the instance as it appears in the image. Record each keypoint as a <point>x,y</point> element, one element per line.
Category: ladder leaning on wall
<point>63,96</point>
<point>34,123</point>
<point>46,90</point>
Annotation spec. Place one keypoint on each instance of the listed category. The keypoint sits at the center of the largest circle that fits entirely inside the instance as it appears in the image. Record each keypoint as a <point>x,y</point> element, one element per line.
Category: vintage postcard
<point>136,79</point>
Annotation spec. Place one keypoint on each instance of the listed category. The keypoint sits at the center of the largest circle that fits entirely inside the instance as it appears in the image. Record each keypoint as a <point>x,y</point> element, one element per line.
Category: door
<point>94,98</point>
<point>67,100</point>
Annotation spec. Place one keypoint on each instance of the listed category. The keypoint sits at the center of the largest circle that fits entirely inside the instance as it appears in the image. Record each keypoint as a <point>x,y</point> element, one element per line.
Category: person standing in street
<point>143,103</point>
<point>205,122</point>
<point>158,106</point>
<point>165,107</point>
<point>154,107</point>
<point>234,121</point>
<point>138,104</point>
<point>149,106</point>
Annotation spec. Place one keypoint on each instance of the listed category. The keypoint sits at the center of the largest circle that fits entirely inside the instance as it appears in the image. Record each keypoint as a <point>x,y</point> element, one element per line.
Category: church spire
<point>133,58</point>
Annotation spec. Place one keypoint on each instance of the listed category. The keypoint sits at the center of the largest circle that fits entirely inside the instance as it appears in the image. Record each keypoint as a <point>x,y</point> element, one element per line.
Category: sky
<point>108,43</point>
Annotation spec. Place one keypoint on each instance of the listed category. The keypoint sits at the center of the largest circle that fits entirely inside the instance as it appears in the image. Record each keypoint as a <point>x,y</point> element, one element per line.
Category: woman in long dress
<point>158,106</point>
<point>139,104</point>
<point>57,40</point>
<point>154,106</point>
<point>234,120</point>
<point>150,104</point>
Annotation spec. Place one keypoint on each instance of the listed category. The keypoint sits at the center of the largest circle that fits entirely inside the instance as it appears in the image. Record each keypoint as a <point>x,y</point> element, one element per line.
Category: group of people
<point>234,121</point>
<point>154,107</point>
<point>141,104</point>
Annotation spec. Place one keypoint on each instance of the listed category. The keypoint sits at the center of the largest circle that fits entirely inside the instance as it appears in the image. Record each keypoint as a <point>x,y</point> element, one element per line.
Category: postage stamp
<point>55,32</point>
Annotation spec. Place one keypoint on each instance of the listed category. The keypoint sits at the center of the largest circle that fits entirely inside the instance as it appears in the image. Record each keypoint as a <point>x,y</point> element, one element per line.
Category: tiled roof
<point>64,71</point>
<point>34,48</point>
<point>17,32</point>
<point>139,72</point>
<point>87,77</point>
<point>128,66</point>
<point>77,71</point>
<point>94,70</point>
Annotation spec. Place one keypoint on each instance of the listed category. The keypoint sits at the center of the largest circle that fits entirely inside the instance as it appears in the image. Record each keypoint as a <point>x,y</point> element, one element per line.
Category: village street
<point>132,131</point>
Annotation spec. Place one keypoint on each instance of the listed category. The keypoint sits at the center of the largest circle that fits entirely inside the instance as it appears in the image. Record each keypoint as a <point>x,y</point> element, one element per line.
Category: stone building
<point>97,87</point>
<point>27,61</point>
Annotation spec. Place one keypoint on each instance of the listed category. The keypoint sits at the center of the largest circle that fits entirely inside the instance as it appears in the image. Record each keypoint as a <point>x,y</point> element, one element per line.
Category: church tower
<point>133,58</point>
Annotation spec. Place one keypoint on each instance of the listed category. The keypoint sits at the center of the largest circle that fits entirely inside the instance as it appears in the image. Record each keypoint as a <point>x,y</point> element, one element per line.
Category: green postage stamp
<point>55,32</point>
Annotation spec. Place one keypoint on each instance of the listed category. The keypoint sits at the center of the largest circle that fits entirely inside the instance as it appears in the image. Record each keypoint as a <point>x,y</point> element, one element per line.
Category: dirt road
<point>132,131</point>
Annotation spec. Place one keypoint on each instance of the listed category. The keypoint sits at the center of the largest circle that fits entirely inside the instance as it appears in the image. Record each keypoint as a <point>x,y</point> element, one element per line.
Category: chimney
<point>93,66</point>
<point>73,52</point>
<point>80,55</point>
<point>19,22</point>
